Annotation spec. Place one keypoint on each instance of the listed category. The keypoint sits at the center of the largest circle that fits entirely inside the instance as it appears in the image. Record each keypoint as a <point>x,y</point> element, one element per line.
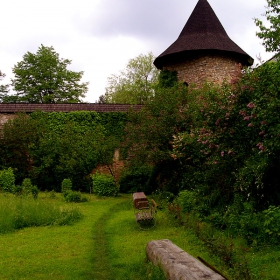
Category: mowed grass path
<point>106,244</point>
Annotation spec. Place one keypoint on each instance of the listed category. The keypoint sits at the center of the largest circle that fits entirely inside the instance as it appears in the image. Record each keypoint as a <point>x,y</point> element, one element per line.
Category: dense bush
<point>234,148</point>
<point>104,185</point>
<point>28,189</point>
<point>136,180</point>
<point>7,180</point>
<point>187,200</point>
<point>72,196</point>
<point>272,223</point>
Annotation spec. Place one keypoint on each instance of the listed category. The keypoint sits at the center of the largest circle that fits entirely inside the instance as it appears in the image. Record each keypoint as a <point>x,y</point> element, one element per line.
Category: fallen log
<point>177,264</point>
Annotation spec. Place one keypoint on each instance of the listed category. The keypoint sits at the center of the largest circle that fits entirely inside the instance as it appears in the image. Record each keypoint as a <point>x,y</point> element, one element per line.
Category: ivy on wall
<point>49,147</point>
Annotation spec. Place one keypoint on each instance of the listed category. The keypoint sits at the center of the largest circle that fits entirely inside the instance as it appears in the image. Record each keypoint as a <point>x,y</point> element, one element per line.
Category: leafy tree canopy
<point>135,84</point>
<point>4,89</point>
<point>271,34</point>
<point>43,77</point>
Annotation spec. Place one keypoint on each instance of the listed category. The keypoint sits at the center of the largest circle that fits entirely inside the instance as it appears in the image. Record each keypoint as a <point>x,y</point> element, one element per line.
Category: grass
<point>21,212</point>
<point>105,244</point>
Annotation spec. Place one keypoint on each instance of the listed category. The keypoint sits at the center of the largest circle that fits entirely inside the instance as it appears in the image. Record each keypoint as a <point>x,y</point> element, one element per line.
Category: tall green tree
<point>4,89</point>
<point>43,77</point>
<point>271,34</point>
<point>135,84</point>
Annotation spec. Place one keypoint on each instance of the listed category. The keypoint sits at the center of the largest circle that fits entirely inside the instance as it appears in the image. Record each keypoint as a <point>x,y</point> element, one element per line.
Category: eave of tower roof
<point>203,31</point>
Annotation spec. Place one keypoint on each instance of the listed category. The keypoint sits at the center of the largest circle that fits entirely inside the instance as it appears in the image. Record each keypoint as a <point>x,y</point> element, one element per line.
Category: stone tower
<point>203,50</point>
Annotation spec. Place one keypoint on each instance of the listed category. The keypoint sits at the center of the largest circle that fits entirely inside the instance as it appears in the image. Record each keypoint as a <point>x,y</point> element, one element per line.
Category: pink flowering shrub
<point>237,139</point>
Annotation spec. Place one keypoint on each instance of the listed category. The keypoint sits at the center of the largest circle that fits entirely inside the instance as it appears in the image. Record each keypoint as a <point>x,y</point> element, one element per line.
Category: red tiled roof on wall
<point>70,107</point>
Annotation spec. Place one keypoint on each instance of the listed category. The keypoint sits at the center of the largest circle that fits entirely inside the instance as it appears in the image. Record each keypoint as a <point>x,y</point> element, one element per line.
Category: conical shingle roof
<point>203,31</point>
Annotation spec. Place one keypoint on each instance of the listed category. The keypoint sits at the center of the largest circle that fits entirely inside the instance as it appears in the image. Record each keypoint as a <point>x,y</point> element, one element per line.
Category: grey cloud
<point>141,18</point>
<point>162,20</point>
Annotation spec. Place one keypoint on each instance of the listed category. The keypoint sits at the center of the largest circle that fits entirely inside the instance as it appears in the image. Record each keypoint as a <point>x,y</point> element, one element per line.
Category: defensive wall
<point>9,111</point>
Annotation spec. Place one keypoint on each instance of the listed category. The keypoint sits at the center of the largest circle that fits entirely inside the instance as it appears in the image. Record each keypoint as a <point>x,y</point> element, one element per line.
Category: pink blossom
<point>247,118</point>
<point>260,146</point>
<point>263,122</point>
<point>215,162</point>
<point>217,122</point>
<point>229,152</point>
<point>251,105</point>
<point>222,153</point>
<point>261,133</point>
<point>250,125</point>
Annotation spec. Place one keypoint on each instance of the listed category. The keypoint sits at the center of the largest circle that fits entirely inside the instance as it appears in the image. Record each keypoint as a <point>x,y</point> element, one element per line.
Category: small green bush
<point>66,185</point>
<point>27,189</point>
<point>17,190</point>
<point>34,192</point>
<point>272,222</point>
<point>72,196</point>
<point>104,185</point>
<point>52,194</point>
<point>7,180</point>
<point>187,200</point>
<point>26,186</point>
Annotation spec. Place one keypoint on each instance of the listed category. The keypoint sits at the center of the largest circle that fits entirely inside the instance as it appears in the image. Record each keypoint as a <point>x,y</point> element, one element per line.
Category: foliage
<point>270,34</point>
<point>187,200</point>
<point>135,84</point>
<point>49,147</point>
<point>136,180</point>
<point>4,89</point>
<point>43,77</point>
<point>17,137</point>
<point>167,79</point>
<point>28,189</point>
<point>234,147</point>
<point>7,180</point>
<point>272,222</point>
<point>150,132</point>
<point>73,196</point>
<point>26,185</point>
<point>66,185</point>
<point>104,185</point>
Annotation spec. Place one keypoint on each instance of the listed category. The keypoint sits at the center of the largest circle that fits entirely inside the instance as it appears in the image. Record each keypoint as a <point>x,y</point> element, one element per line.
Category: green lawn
<point>106,244</point>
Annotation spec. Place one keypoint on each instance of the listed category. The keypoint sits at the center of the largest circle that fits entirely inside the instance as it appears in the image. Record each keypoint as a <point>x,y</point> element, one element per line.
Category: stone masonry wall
<point>4,118</point>
<point>197,70</point>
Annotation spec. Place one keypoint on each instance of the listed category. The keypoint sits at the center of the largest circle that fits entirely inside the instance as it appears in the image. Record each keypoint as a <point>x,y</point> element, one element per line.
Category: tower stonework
<point>203,51</point>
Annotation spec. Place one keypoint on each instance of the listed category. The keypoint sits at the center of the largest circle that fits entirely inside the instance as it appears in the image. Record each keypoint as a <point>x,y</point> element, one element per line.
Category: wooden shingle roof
<point>203,31</point>
<point>101,108</point>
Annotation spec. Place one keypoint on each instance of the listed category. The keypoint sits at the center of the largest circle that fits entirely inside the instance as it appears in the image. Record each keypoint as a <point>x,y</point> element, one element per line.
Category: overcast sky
<point>100,36</point>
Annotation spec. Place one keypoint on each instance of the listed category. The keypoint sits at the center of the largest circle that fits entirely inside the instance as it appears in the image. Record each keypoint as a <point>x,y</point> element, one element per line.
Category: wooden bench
<point>144,210</point>
<point>140,200</point>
